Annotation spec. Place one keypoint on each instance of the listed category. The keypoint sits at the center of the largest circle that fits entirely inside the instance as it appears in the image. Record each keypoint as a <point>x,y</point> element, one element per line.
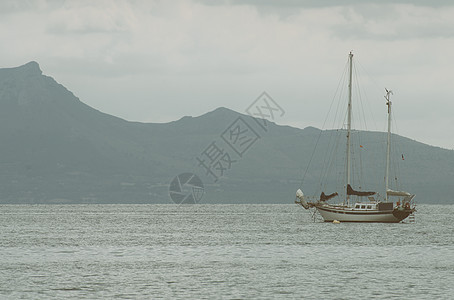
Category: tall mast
<point>388,103</point>
<point>349,120</point>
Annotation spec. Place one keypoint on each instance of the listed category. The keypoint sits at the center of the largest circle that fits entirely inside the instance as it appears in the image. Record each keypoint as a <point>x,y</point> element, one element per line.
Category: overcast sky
<point>156,61</point>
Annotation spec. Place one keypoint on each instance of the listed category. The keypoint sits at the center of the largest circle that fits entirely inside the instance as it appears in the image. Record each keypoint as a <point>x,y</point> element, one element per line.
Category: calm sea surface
<point>220,252</point>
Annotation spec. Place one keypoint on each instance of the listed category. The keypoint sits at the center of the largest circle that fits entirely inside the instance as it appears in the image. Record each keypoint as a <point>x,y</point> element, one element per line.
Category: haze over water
<point>220,251</point>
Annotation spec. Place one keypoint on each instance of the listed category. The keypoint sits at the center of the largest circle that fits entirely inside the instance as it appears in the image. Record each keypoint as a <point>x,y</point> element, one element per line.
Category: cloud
<point>326,3</point>
<point>395,22</point>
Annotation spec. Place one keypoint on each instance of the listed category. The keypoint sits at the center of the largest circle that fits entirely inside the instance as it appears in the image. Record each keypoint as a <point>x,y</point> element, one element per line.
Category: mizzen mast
<point>388,150</point>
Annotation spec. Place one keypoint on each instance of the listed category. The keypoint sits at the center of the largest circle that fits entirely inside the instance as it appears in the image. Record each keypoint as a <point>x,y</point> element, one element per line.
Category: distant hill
<point>56,149</point>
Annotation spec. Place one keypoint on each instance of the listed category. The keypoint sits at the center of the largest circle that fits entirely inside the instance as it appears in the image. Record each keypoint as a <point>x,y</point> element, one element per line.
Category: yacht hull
<point>345,214</point>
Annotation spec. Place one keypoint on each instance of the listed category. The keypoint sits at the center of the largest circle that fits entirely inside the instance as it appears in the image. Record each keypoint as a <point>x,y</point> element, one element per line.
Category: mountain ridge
<point>59,150</point>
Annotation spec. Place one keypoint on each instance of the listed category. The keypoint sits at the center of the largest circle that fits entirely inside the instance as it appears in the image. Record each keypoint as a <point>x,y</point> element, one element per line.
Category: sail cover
<point>351,191</point>
<point>397,193</point>
<point>324,197</point>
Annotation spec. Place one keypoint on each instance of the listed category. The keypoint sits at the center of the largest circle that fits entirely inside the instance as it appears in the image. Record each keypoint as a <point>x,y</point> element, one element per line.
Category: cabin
<point>374,206</point>
<point>365,206</point>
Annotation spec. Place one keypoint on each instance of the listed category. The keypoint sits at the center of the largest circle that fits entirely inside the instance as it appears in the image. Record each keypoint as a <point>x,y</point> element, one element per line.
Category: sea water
<point>220,252</point>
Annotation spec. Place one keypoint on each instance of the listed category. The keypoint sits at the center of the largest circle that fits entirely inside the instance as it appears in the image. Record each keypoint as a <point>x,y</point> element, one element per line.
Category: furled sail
<point>351,191</point>
<point>324,197</point>
<point>397,193</point>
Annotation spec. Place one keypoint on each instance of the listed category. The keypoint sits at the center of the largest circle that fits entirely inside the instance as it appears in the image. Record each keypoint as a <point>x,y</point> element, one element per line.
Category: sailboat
<point>371,210</point>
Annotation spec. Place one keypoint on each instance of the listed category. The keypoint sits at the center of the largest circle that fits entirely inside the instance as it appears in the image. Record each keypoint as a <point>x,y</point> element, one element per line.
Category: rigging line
<point>345,105</point>
<point>360,98</point>
<point>334,136</point>
<point>360,160</point>
<point>360,109</point>
<point>398,150</point>
<point>310,160</point>
<point>324,163</point>
<point>377,86</point>
<point>355,168</point>
<point>324,122</point>
<point>334,152</point>
<point>395,165</point>
<point>339,102</point>
<point>331,157</point>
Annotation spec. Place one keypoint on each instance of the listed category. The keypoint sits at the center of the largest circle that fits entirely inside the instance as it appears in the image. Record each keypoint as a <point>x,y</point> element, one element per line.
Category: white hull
<point>344,214</point>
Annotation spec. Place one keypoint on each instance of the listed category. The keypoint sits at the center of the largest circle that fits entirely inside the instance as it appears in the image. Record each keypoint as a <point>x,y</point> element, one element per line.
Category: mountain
<point>56,149</point>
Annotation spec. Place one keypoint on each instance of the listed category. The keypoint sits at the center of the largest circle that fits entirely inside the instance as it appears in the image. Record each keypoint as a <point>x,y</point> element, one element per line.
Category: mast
<point>388,103</point>
<point>349,121</point>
